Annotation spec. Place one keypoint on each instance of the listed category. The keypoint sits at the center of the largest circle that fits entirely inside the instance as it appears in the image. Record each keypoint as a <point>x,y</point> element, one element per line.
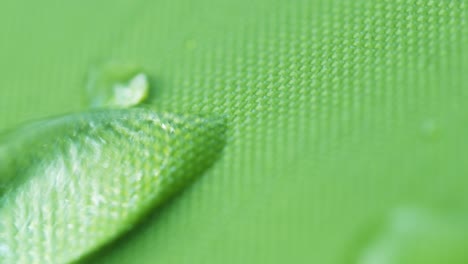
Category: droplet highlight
<point>74,183</point>
<point>117,85</point>
<point>420,236</point>
<point>429,129</point>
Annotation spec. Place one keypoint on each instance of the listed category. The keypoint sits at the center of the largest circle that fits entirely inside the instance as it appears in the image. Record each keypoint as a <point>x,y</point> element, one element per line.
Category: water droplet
<point>191,44</point>
<point>117,85</point>
<point>418,236</point>
<point>72,184</point>
<point>429,129</point>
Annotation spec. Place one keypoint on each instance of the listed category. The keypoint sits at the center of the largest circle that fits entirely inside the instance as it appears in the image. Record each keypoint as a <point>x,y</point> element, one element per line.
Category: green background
<point>339,112</point>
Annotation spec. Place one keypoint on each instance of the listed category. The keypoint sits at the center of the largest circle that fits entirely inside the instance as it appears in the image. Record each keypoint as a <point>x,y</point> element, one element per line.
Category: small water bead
<point>430,129</point>
<point>419,236</point>
<point>117,84</point>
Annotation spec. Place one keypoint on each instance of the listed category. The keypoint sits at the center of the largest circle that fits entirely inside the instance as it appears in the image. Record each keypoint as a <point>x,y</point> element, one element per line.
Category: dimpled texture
<point>338,112</point>
<point>81,180</point>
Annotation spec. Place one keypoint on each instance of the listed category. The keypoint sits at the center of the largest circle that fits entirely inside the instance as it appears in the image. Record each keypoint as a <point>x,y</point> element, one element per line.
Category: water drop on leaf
<point>117,85</point>
<point>419,236</point>
<point>71,184</point>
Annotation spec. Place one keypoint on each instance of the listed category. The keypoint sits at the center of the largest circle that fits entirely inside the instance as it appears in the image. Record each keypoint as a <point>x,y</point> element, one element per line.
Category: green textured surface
<point>338,112</point>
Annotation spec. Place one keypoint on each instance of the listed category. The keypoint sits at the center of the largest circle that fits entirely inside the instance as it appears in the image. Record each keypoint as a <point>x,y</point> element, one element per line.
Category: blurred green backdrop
<point>339,113</point>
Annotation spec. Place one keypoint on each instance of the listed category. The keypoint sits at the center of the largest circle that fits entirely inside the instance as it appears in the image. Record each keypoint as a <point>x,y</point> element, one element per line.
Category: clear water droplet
<point>72,184</point>
<point>418,236</point>
<point>117,85</point>
<point>429,129</point>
